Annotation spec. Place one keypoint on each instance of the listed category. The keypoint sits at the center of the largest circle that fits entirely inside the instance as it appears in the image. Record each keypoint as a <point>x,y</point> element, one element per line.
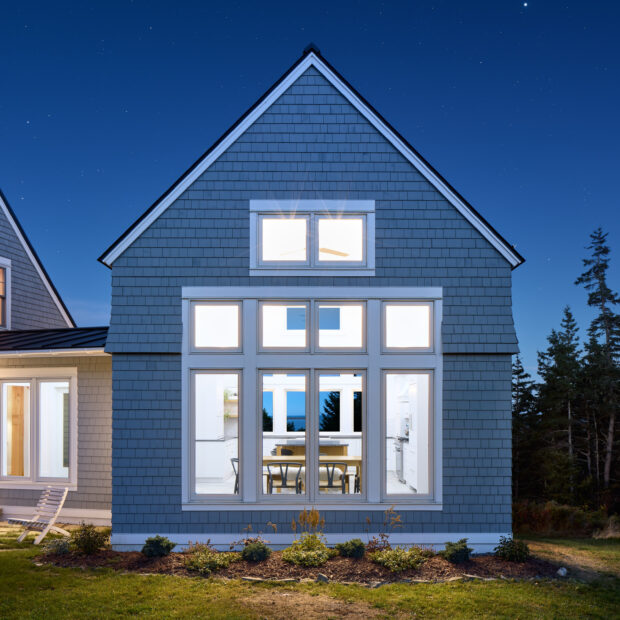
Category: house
<point>311,316</point>
<point>55,378</point>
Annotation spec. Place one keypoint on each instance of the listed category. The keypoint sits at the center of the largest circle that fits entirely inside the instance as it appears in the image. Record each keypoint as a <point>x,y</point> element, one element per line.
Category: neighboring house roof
<point>36,261</point>
<point>67,339</point>
<point>311,58</point>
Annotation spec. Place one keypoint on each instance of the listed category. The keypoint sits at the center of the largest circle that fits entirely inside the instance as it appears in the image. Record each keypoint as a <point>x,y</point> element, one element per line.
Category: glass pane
<point>340,433</point>
<point>407,447</point>
<point>284,326</point>
<point>217,433</point>
<point>284,437</point>
<point>16,429</point>
<point>341,240</point>
<point>341,326</point>
<point>2,281</point>
<point>283,239</point>
<point>407,326</point>
<point>54,429</point>
<point>216,326</point>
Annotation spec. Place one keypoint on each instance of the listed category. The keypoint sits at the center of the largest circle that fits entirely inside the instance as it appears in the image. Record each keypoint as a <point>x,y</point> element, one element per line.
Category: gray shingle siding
<point>94,490</point>
<point>147,455</point>
<point>32,306</point>
<point>310,144</point>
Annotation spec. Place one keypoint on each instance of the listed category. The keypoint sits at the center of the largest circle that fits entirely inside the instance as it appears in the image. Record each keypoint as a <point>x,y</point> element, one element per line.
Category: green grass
<point>30,591</point>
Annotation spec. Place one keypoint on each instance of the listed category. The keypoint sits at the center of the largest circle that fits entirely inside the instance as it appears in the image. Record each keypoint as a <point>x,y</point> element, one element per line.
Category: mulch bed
<point>337,569</point>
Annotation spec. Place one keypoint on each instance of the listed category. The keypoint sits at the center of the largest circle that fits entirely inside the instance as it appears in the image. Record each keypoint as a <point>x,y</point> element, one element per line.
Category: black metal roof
<point>46,339</point>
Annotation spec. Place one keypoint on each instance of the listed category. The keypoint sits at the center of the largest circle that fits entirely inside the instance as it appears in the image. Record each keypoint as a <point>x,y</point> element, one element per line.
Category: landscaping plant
<point>456,552</point>
<point>205,560</point>
<point>57,546</point>
<point>255,551</point>
<point>354,548</point>
<point>157,547</point>
<point>391,520</point>
<point>512,550</point>
<point>88,540</point>
<point>310,548</point>
<point>399,558</point>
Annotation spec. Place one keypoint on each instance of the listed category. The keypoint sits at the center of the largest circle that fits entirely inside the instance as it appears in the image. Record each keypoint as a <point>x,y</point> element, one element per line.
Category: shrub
<point>553,519</point>
<point>352,548</point>
<point>255,551</point>
<point>391,520</point>
<point>87,539</point>
<point>205,560</point>
<point>399,558</point>
<point>456,552</point>
<point>57,546</point>
<point>512,550</point>
<point>157,547</point>
<point>309,550</point>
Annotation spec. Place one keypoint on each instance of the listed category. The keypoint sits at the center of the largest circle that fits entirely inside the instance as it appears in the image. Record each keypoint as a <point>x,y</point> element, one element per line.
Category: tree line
<point>565,438</point>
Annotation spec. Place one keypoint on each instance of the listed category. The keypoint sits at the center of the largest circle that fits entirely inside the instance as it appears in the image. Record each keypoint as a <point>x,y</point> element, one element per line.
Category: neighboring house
<point>311,316</point>
<point>55,391</point>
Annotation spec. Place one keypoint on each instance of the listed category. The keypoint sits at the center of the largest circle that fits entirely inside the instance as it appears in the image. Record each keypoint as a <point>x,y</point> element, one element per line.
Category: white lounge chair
<point>45,515</point>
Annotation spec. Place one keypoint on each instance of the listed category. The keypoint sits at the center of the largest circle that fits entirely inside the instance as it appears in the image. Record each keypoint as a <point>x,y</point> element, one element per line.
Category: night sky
<point>103,105</point>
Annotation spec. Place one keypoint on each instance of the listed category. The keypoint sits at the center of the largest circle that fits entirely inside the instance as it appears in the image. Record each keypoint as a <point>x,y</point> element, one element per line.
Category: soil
<point>336,569</point>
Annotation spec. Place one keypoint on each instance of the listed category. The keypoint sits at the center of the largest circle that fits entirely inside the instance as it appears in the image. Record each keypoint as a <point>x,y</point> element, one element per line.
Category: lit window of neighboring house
<point>5,289</point>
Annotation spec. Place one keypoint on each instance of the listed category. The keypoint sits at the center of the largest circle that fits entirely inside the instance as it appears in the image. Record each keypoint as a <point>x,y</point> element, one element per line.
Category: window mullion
<point>34,430</point>
<point>312,446</point>
<point>373,453</point>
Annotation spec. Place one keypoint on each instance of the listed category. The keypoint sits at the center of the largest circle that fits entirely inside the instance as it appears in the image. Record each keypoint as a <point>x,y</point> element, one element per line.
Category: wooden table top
<point>349,460</point>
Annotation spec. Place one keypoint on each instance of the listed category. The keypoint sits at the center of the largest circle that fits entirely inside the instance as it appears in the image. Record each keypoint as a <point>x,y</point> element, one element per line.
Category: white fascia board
<point>35,264</point>
<point>56,353</point>
<point>311,60</point>
<point>312,206</point>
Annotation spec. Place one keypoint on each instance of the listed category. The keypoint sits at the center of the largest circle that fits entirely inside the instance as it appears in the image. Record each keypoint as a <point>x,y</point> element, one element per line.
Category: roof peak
<point>311,47</point>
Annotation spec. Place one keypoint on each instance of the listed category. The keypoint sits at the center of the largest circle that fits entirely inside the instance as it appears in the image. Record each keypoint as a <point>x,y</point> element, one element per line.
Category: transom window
<point>38,442</point>
<point>317,402</point>
<point>313,235</point>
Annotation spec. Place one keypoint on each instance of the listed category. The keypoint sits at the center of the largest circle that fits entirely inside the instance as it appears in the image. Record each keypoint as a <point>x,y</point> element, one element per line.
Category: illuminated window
<point>217,326</point>
<point>407,326</point>
<point>283,239</point>
<point>341,240</point>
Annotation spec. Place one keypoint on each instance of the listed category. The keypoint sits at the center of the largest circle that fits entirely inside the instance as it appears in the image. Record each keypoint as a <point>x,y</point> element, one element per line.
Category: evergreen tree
<point>603,346</point>
<point>330,414</point>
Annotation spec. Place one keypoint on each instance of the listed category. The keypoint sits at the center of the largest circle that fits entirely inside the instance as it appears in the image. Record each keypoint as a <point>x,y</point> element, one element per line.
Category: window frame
<point>222,350</point>
<point>261,348</point>
<point>227,497</point>
<point>5,264</point>
<point>313,211</point>
<point>372,362</point>
<point>403,350</point>
<point>36,376</point>
<point>317,348</point>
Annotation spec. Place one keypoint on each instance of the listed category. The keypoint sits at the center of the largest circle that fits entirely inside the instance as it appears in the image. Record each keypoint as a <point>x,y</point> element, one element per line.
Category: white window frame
<point>5,264</point>
<point>373,362</point>
<point>36,376</point>
<point>217,302</point>
<point>404,302</point>
<point>312,211</point>
<point>284,302</point>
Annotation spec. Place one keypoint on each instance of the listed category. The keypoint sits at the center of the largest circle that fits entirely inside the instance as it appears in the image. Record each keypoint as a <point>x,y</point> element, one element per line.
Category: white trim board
<point>310,60</point>
<point>481,542</point>
<point>67,515</point>
<point>36,264</point>
<point>99,352</point>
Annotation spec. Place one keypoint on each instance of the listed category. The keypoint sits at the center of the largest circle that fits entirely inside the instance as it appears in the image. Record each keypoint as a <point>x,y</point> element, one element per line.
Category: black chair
<point>281,471</point>
<point>235,465</point>
<point>286,452</point>
<point>331,469</point>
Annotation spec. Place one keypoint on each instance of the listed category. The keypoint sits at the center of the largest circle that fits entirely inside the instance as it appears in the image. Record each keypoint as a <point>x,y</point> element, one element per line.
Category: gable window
<point>318,237</point>
<point>5,289</point>
<point>38,426</point>
<point>320,408</point>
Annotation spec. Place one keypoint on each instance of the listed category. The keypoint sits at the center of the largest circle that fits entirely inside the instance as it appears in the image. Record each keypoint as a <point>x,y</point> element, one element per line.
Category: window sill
<point>301,272</point>
<point>202,506</point>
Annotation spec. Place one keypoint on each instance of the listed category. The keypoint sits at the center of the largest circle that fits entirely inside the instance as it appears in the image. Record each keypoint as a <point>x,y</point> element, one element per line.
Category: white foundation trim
<point>67,515</point>
<point>56,353</point>
<point>481,542</point>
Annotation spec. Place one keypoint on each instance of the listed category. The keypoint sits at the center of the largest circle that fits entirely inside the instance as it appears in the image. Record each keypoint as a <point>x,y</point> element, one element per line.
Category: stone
<point>321,578</point>
<point>253,579</point>
<point>562,572</point>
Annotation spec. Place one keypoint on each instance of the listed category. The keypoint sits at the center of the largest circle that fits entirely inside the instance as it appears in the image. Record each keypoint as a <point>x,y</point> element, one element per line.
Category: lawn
<point>31,591</point>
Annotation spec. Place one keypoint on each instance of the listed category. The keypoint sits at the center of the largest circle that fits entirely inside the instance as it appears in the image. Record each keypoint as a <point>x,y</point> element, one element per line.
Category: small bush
<point>352,548</point>
<point>456,552</point>
<point>157,547</point>
<point>512,550</point>
<point>399,558</point>
<point>57,546</point>
<point>553,519</point>
<point>88,540</point>
<point>309,550</point>
<point>255,551</point>
<point>205,560</point>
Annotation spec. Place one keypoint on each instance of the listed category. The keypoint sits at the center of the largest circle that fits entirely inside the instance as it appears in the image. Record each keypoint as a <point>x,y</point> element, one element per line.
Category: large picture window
<point>38,440</point>
<point>333,401</point>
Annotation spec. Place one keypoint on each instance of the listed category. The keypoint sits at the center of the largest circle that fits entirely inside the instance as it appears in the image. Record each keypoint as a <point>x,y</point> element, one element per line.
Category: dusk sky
<point>103,105</point>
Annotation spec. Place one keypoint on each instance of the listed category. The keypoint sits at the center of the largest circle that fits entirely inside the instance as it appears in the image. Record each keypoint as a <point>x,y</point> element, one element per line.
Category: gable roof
<point>35,260</point>
<point>66,339</point>
<point>311,57</point>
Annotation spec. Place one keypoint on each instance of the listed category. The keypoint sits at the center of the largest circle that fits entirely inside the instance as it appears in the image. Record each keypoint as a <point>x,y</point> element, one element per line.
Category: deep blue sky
<point>104,104</point>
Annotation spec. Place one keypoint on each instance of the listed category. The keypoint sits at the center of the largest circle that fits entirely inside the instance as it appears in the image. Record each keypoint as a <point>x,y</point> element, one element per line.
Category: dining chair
<point>235,465</point>
<point>335,475</point>
<point>281,471</point>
